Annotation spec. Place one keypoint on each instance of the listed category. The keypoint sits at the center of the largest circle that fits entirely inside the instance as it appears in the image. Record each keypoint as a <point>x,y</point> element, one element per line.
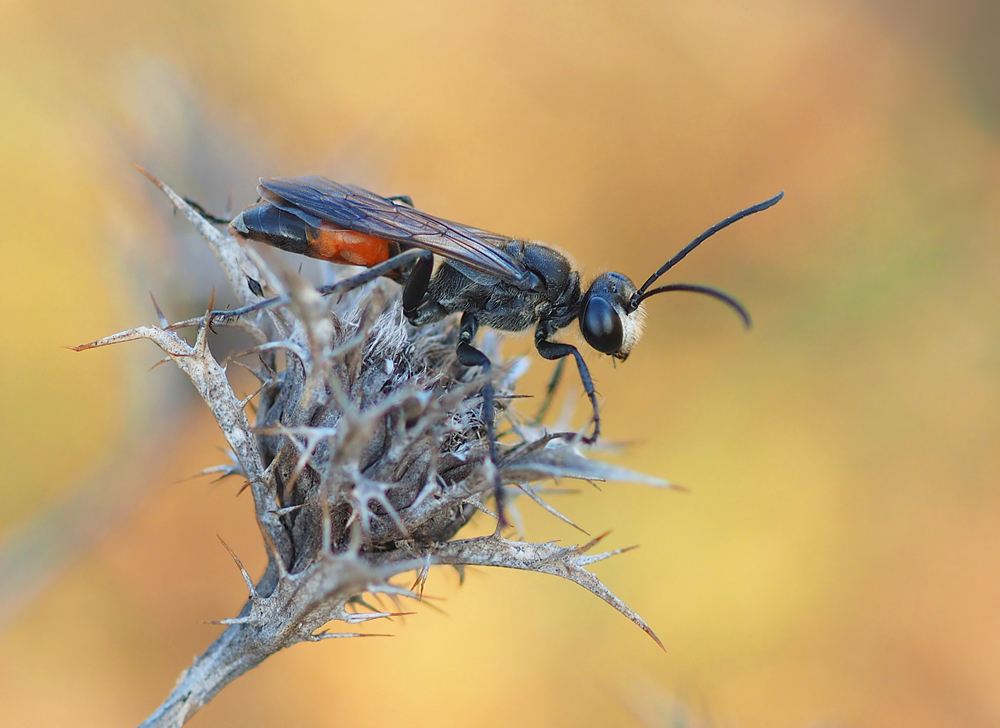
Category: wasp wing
<point>354,208</point>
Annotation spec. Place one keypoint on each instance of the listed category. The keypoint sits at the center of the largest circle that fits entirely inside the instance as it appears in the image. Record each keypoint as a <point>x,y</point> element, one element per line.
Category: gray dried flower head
<point>369,453</point>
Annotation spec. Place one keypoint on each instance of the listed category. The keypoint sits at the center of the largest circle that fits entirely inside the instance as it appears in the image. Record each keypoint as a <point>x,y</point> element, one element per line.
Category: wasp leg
<point>551,389</point>
<point>376,271</point>
<point>470,356</point>
<point>416,282</point>
<point>348,284</point>
<point>206,214</point>
<point>557,350</point>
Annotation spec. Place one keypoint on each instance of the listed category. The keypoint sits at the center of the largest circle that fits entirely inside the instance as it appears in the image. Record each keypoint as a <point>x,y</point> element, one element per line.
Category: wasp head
<point>608,321</point>
<point>610,317</point>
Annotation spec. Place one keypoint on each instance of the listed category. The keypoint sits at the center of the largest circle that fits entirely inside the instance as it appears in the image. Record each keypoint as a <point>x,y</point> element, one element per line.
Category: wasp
<point>492,280</point>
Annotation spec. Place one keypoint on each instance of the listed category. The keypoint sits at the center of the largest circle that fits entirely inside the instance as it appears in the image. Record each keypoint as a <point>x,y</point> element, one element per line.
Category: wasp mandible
<point>491,280</point>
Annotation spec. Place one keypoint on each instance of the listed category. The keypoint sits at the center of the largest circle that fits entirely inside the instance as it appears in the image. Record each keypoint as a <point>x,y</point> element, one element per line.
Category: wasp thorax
<point>605,321</point>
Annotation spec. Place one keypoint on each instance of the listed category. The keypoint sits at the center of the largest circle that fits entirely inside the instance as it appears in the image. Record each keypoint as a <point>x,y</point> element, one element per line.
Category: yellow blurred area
<point>835,561</point>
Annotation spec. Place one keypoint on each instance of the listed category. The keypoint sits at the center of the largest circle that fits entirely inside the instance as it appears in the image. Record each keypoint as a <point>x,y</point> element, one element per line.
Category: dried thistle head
<point>368,455</point>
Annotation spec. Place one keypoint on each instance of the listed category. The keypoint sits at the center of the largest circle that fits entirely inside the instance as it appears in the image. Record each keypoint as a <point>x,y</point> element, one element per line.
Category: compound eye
<point>601,325</point>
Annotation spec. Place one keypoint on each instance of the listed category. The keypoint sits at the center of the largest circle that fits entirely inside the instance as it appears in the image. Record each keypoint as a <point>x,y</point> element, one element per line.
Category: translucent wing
<point>317,199</point>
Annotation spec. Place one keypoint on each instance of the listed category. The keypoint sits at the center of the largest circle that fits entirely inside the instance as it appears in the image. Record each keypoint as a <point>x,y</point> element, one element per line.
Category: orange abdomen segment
<point>346,246</point>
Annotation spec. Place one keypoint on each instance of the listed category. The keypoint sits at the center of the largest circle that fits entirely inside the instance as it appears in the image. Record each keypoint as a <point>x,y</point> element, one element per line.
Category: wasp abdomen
<point>265,223</point>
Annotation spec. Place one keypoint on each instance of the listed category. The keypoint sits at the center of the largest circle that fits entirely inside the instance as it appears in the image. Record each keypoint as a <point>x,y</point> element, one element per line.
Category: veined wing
<point>354,208</point>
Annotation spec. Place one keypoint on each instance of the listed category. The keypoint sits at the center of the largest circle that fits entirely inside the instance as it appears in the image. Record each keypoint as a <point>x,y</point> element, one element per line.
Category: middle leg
<point>470,356</point>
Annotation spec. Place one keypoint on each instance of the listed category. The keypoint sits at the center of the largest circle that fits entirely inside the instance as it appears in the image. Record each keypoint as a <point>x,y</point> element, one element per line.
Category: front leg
<point>557,350</point>
<point>550,391</point>
<point>470,356</point>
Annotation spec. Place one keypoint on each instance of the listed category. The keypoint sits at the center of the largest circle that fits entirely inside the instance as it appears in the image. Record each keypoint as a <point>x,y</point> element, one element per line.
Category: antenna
<point>642,292</point>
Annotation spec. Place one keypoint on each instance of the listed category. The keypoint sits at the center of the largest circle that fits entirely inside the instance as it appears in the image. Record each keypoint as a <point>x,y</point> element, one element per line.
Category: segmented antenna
<point>644,293</point>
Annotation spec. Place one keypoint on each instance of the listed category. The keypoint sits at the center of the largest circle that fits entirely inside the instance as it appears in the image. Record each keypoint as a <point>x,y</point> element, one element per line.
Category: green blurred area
<point>835,560</point>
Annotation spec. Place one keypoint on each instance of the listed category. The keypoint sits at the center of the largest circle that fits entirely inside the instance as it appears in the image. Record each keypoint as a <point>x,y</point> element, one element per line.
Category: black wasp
<point>492,280</point>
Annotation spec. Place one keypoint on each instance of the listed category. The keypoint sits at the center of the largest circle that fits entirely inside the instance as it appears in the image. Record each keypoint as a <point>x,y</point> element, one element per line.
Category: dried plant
<point>367,457</point>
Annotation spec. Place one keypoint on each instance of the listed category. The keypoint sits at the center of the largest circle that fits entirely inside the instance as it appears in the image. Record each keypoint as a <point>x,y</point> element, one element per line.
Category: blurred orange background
<point>836,561</point>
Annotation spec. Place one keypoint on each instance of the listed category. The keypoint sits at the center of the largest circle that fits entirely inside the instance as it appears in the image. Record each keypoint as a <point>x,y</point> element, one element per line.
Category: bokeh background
<point>836,559</point>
